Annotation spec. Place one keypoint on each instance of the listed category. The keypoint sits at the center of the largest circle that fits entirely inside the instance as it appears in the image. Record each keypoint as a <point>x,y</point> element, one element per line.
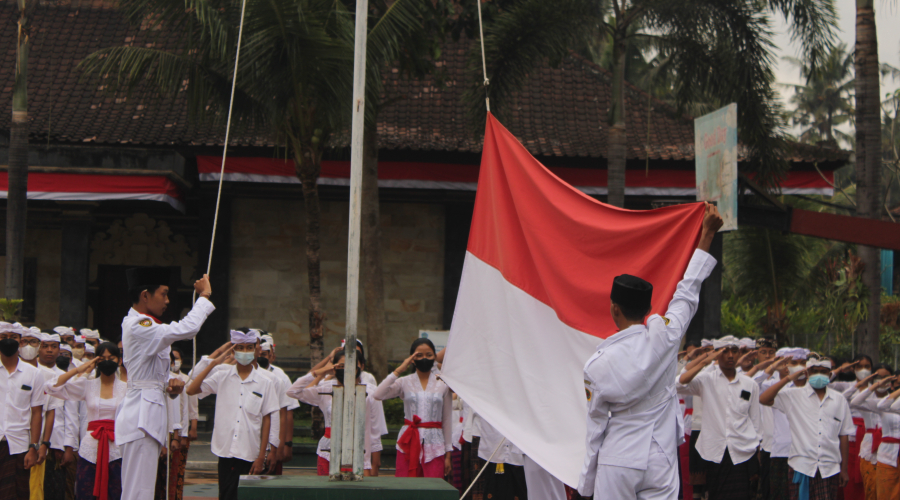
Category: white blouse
<point>432,404</point>
<point>88,390</point>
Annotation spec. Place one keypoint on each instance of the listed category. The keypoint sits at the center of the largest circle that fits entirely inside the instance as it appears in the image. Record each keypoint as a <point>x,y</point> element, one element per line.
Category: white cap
<point>265,347</point>
<point>9,328</point>
<point>726,341</point>
<point>824,362</point>
<point>65,347</point>
<point>268,339</point>
<point>784,351</point>
<point>50,337</point>
<point>34,332</point>
<point>88,349</point>
<point>79,339</point>
<point>748,343</point>
<point>64,330</point>
<point>90,334</point>
<point>706,343</point>
<point>239,337</point>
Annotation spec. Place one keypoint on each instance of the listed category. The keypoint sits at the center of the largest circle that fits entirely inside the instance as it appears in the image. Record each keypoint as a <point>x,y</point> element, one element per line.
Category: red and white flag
<point>533,301</point>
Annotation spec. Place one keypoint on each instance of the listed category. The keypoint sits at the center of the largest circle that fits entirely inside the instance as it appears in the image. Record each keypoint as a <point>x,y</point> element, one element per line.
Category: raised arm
<point>768,396</point>
<point>687,377</point>
<point>389,388</point>
<point>194,387</point>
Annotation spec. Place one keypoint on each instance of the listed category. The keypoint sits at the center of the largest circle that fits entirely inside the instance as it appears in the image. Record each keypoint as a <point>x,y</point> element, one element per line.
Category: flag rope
<point>212,242</point>
<point>483,468</point>
<point>487,81</point>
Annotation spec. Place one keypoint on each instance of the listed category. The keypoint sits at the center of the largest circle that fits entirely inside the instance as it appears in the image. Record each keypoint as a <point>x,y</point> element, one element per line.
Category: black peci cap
<point>145,277</point>
<point>631,292</point>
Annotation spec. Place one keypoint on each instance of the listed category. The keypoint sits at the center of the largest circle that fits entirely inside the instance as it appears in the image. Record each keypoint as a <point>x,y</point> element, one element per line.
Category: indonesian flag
<point>533,301</point>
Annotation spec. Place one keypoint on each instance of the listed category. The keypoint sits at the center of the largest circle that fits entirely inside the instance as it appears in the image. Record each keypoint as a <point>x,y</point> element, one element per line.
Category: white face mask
<point>244,358</point>
<point>862,374</point>
<point>78,352</point>
<point>28,352</point>
<point>176,366</point>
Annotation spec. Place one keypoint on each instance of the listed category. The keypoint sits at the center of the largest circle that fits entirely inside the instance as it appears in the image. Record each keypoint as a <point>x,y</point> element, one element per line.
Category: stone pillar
<point>75,255</point>
<point>707,323</point>
<point>457,221</point>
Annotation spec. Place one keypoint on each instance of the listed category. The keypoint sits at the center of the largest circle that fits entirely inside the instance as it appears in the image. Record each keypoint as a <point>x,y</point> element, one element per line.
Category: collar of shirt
<point>621,334</point>
<point>735,380</point>
<point>810,392</point>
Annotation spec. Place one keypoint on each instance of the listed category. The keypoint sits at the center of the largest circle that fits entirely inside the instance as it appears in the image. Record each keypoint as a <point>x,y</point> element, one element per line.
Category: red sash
<point>413,442</point>
<point>328,432</point>
<point>876,438</point>
<point>103,431</point>
<point>860,428</point>
<point>890,440</point>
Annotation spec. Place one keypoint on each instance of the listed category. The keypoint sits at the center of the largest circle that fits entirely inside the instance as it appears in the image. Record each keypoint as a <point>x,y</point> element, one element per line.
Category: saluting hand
<point>796,375</point>
<point>222,357</point>
<point>405,365</point>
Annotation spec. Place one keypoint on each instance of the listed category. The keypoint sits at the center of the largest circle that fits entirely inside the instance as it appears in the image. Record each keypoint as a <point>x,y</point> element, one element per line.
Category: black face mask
<point>9,347</point>
<point>107,367</point>
<point>62,362</point>
<point>339,375</point>
<point>424,364</point>
<point>263,362</point>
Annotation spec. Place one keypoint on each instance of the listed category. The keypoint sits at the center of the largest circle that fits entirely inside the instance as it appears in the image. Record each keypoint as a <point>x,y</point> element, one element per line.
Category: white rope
<point>482,469</point>
<point>212,242</point>
<point>487,81</point>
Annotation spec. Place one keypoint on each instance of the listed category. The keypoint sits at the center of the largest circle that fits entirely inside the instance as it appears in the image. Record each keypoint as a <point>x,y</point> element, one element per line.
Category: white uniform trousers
<point>139,461</point>
<point>659,482</point>
<point>541,484</point>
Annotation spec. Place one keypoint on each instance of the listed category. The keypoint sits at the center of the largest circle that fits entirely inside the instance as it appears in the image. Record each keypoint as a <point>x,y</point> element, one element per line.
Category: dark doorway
<point>112,302</point>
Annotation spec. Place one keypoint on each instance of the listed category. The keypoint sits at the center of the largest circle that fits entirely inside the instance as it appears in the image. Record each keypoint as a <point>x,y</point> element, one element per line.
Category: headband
<point>726,341</point>
<point>239,337</point>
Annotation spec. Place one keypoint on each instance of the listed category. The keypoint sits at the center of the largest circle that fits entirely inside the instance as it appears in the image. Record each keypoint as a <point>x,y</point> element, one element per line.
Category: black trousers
<point>765,462</point>
<point>506,486</point>
<point>729,481</point>
<point>230,472</point>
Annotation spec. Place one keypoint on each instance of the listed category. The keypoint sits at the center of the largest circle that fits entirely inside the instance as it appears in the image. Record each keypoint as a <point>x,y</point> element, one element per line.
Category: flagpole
<point>351,450</point>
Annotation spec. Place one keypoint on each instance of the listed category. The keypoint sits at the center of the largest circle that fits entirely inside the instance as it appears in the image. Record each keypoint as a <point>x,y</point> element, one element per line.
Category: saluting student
<point>633,424</point>
<point>874,398</point>
<point>820,422</point>
<point>730,435</point>
<point>23,400</point>
<point>424,443</point>
<point>245,402</point>
<point>312,389</point>
<point>141,423</point>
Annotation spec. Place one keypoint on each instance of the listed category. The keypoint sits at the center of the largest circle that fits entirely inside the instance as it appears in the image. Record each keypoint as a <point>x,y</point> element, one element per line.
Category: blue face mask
<point>819,381</point>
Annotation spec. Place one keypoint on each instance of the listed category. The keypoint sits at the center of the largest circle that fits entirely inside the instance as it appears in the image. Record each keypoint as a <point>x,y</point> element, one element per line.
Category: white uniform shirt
<point>240,408</point>
<point>766,419</point>
<point>88,390</point>
<point>781,428</point>
<point>507,453</point>
<point>281,400</point>
<point>147,345</point>
<point>816,427</point>
<point>290,403</point>
<point>432,404</point>
<point>866,404</point>
<point>22,390</point>
<point>630,384</point>
<point>732,415</point>
<point>57,436</point>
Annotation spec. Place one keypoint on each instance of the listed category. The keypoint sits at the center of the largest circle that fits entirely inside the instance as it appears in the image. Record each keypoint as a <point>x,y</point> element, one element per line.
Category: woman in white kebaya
<point>99,459</point>
<point>424,444</point>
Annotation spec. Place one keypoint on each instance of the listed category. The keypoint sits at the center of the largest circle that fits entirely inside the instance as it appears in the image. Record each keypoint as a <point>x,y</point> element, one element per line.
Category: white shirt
<point>88,390</point>
<point>630,384</point>
<point>766,419</point>
<point>282,402</point>
<point>290,403</point>
<point>866,404</point>
<point>732,415</point>
<point>240,408</point>
<point>22,390</point>
<point>507,453</point>
<point>57,435</point>
<point>147,345</point>
<point>321,395</point>
<point>432,404</point>
<point>816,427</point>
<point>781,428</point>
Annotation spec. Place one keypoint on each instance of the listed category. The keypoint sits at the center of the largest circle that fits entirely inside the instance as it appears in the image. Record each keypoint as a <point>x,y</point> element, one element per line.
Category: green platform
<point>372,488</point>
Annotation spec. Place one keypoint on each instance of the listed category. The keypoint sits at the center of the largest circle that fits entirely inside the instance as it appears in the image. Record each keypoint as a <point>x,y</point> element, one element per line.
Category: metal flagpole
<point>351,451</point>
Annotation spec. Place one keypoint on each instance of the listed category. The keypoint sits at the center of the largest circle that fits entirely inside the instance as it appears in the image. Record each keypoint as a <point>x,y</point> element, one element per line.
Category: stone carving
<point>142,241</point>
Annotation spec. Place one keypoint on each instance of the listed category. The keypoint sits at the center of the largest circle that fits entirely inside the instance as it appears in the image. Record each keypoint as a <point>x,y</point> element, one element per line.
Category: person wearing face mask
<point>869,396</point>
<point>730,434</point>
<point>78,350</point>
<point>820,424</point>
<point>51,481</point>
<point>245,403</point>
<point>91,337</point>
<point>424,443</point>
<point>285,431</point>
<point>99,467</point>
<point>847,378</point>
<point>20,429</point>
<point>141,425</point>
<point>89,353</point>
<point>314,390</point>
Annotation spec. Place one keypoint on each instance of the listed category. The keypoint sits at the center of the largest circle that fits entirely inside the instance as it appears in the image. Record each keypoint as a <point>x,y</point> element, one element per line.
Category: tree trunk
<point>868,165</point>
<point>617,136</point>
<point>16,203</point>
<point>372,274</point>
<point>308,172</point>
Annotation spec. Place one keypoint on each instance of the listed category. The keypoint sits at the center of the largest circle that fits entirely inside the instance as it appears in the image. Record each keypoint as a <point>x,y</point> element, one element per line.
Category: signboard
<point>437,337</point>
<point>715,154</point>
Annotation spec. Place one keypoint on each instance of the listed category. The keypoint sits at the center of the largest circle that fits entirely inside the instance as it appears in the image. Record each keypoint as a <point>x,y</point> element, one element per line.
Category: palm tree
<point>868,165</point>
<point>824,101</point>
<point>17,195</point>
<point>717,49</point>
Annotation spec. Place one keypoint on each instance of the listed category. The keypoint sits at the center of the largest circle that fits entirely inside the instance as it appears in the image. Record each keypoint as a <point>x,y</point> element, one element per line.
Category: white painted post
<point>349,445</point>
<point>337,411</point>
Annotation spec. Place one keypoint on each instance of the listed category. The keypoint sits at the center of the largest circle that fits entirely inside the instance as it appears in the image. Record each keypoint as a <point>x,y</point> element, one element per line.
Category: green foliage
<point>742,318</point>
<point>9,309</point>
<point>393,412</point>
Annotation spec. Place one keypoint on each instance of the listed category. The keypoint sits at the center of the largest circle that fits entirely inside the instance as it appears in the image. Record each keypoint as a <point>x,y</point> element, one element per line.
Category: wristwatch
<point>33,445</point>
<point>46,443</point>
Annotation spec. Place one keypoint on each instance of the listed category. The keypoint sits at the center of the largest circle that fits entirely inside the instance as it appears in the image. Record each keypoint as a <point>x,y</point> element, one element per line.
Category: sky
<point>887,21</point>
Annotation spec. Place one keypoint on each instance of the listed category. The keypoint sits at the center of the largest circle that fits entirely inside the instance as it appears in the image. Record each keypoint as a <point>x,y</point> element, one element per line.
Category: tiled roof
<point>560,111</point>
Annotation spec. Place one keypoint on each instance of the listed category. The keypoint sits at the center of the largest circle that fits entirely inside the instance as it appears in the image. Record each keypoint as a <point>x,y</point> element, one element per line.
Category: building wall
<point>45,245</point>
<point>269,288</point>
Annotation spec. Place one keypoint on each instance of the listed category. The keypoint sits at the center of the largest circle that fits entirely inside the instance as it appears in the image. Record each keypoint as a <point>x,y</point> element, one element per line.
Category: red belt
<point>413,442</point>
<point>103,431</point>
<point>328,432</point>
<point>876,439</point>
<point>688,411</point>
<point>890,440</point>
<point>860,428</point>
